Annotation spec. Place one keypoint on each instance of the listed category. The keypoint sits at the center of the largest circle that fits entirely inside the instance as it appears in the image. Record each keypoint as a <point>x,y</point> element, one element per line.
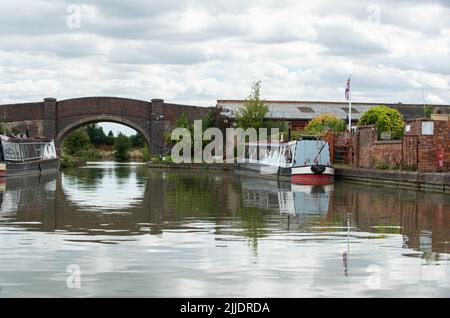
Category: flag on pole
<point>348,97</point>
<point>347,90</point>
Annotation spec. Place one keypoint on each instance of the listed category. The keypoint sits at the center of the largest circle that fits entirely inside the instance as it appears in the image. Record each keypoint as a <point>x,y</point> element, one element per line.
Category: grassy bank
<point>101,154</point>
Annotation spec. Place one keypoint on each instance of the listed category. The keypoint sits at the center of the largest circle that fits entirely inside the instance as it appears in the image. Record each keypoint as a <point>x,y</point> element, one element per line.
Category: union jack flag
<point>347,90</point>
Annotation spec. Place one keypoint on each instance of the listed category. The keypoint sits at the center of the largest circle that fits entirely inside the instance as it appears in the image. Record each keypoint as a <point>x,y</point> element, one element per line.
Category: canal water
<point>123,230</point>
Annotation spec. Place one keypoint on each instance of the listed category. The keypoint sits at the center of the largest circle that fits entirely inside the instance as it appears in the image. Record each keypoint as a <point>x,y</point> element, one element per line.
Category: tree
<point>386,119</point>
<point>96,134</point>
<point>109,141</point>
<point>254,111</point>
<point>122,145</point>
<point>77,142</point>
<point>323,123</point>
<point>182,122</point>
<point>137,141</point>
<point>428,111</point>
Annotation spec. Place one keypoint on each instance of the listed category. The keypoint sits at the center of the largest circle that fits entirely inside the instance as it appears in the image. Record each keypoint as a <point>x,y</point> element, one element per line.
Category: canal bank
<point>194,166</point>
<point>421,180</point>
<point>432,181</point>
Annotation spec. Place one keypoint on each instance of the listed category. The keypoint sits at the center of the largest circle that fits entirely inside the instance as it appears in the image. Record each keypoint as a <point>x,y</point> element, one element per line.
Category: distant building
<point>299,113</point>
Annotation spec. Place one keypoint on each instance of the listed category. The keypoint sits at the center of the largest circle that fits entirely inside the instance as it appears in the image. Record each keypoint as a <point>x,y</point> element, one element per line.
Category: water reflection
<point>130,200</point>
<point>108,187</point>
<point>217,221</point>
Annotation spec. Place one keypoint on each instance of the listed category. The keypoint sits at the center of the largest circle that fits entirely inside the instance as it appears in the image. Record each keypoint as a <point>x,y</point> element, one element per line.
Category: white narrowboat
<point>305,161</point>
<point>22,156</point>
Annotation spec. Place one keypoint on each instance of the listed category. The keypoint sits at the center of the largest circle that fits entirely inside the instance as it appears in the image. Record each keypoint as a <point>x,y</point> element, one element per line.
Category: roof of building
<point>291,110</point>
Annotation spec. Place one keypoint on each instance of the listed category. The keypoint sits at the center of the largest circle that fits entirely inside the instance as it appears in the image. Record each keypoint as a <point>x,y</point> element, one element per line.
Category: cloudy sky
<point>196,51</point>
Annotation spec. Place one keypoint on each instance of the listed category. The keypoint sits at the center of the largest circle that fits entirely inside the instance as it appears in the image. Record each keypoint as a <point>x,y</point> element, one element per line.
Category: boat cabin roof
<point>25,140</point>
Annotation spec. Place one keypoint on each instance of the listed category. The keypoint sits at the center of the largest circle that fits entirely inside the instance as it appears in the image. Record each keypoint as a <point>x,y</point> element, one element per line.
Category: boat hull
<point>306,175</point>
<point>264,169</point>
<point>11,169</point>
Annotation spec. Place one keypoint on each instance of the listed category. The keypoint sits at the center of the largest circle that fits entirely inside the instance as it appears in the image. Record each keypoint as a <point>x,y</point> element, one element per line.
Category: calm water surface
<point>136,232</point>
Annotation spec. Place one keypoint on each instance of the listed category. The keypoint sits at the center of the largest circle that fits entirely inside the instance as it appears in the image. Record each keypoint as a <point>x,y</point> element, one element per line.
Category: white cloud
<point>199,51</point>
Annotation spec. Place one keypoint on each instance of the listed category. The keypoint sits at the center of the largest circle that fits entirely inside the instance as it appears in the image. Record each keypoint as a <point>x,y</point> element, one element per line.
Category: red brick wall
<point>414,150</point>
<point>386,151</point>
<point>368,150</point>
<point>429,144</point>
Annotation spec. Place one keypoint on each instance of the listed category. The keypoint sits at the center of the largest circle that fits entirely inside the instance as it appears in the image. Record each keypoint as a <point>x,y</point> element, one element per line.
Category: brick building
<point>299,113</point>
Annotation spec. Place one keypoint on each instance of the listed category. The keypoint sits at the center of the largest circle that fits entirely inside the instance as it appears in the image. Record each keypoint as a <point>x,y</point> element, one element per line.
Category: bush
<point>122,145</point>
<point>137,141</point>
<point>90,155</point>
<point>145,153</point>
<point>382,165</point>
<point>77,142</point>
<point>386,119</point>
<point>323,123</point>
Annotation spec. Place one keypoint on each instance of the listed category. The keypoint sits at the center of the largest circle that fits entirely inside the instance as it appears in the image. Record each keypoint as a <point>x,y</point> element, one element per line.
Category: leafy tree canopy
<point>254,111</point>
<point>386,119</point>
<point>122,145</point>
<point>137,141</point>
<point>323,123</point>
<point>76,142</point>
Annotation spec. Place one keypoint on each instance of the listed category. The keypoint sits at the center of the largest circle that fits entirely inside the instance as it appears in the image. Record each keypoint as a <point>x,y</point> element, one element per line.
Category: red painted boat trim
<point>313,176</point>
<point>312,179</point>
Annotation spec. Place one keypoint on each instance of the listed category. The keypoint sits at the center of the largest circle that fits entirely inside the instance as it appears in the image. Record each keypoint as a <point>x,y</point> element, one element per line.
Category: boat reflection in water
<point>288,198</point>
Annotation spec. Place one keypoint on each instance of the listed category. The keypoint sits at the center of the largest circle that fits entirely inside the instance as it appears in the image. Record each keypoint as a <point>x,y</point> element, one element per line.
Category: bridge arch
<point>68,129</point>
<point>56,119</point>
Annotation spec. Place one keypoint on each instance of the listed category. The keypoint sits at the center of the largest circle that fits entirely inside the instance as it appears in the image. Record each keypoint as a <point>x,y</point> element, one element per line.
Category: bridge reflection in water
<point>114,200</point>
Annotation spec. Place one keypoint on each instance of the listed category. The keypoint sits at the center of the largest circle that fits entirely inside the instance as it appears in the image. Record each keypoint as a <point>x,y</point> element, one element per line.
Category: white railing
<point>19,152</point>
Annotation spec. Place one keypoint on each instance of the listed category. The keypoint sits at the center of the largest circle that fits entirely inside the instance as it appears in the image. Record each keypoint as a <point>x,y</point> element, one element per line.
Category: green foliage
<point>182,122</point>
<point>137,141</point>
<point>90,155</point>
<point>209,121</point>
<point>273,124</point>
<point>428,110</point>
<point>386,119</point>
<point>2,129</point>
<point>77,142</point>
<point>96,134</point>
<point>14,131</point>
<point>122,145</point>
<point>254,111</point>
<point>145,153</point>
<point>323,123</point>
<point>68,161</point>
<point>382,165</point>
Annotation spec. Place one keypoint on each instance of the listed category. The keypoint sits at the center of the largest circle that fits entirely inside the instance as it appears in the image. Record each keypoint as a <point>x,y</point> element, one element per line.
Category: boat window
<point>288,155</point>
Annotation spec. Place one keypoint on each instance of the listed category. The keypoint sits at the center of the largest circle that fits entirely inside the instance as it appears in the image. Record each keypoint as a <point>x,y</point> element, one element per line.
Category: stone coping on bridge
<point>435,180</point>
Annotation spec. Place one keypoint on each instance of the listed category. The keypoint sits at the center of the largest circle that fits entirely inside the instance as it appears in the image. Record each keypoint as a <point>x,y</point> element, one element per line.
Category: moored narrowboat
<point>22,156</point>
<point>304,161</point>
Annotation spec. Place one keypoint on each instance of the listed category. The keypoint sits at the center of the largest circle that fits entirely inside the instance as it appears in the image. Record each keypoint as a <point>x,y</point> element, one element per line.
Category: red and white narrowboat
<point>305,161</point>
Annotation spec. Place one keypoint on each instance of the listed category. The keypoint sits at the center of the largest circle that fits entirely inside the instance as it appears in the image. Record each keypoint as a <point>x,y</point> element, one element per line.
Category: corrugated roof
<point>298,111</point>
<point>302,109</point>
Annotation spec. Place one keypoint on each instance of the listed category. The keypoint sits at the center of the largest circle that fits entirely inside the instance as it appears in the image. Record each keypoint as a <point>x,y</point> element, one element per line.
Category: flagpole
<point>350,106</point>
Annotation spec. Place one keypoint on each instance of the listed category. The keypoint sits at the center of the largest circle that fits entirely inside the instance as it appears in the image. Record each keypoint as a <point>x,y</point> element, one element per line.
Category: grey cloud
<point>155,53</point>
<point>345,41</point>
<point>300,49</point>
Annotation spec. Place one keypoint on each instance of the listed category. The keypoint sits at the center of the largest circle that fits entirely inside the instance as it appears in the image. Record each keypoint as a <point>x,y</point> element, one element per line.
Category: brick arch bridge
<point>57,119</point>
